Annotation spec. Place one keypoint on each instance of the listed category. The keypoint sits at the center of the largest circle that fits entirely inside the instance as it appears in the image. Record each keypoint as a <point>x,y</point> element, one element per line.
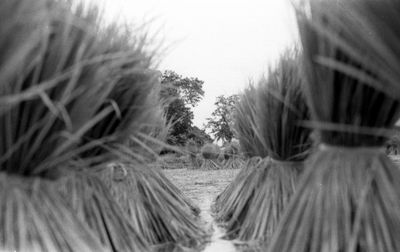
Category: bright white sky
<point>222,42</point>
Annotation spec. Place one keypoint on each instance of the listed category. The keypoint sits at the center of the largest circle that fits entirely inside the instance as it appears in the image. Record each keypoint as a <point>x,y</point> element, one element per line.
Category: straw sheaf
<point>279,111</point>
<point>238,195</point>
<point>349,93</point>
<point>151,137</point>
<point>367,32</point>
<point>208,164</point>
<point>156,207</point>
<point>345,201</point>
<point>348,198</point>
<point>135,108</point>
<point>93,204</point>
<point>57,93</point>
<point>245,124</point>
<point>269,202</point>
<point>34,217</point>
<point>282,111</point>
<point>220,204</point>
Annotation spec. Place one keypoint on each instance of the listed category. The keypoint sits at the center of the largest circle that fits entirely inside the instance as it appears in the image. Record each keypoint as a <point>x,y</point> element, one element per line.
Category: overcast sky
<point>222,42</point>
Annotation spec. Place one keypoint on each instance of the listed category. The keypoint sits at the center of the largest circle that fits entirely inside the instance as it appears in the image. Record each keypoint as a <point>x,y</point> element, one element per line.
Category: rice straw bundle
<point>349,196</point>
<point>229,204</point>
<point>221,157</point>
<point>134,106</point>
<point>252,147</point>
<point>221,207</point>
<point>56,95</point>
<point>52,75</point>
<point>232,158</point>
<point>156,207</point>
<point>34,217</point>
<point>93,204</point>
<point>192,150</point>
<point>210,153</point>
<point>281,108</point>
<point>245,122</point>
<point>150,138</point>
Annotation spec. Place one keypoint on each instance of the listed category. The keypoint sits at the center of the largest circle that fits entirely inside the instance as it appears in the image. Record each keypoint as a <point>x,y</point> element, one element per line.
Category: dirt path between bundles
<point>202,187</point>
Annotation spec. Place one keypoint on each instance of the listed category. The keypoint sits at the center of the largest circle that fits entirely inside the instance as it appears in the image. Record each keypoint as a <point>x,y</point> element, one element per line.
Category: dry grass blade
<point>93,204</point>
<point>156,207</point>
<point>34,217</point>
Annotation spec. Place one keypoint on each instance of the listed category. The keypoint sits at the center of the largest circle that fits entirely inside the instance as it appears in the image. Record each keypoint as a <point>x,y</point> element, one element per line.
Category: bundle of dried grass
<point>281,108</point>
<point>210,153</point>
<point>221,202</point>
<point>150,139</point>
<point>230,202</point>
<point>349,197</point>
<point>136,110</point>
<point>57,92</point>
<point>93,204</point>
<point>192,150</point>
<point>245,124</point>
<point>232,157</point>
<point>53,71</point>
<point>133,119</point>
<point>34,217</point>
<point>157,208</point>
<point>252,148</point>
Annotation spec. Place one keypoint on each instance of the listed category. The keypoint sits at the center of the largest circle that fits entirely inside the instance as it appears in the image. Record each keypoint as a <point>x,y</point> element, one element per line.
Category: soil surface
<point>202,187</point>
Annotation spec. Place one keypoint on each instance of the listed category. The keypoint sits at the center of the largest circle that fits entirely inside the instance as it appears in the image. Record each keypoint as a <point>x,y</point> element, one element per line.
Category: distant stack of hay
<point>232,157</point>
<point>210,153</point>
<point>193,150</point>
<point>349,198</point>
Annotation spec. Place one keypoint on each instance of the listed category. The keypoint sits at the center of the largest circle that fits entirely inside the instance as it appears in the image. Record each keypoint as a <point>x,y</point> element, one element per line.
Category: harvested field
<point>202,187</point>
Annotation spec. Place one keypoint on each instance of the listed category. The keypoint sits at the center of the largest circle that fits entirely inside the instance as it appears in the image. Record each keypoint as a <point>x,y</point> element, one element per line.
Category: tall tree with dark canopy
<point>181,94</point>
<point>221,122</point>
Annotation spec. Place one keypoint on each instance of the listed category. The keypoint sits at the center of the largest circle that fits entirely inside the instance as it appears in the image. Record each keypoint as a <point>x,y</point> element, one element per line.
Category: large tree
<point>221,121</point>
<point>181,95</point>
